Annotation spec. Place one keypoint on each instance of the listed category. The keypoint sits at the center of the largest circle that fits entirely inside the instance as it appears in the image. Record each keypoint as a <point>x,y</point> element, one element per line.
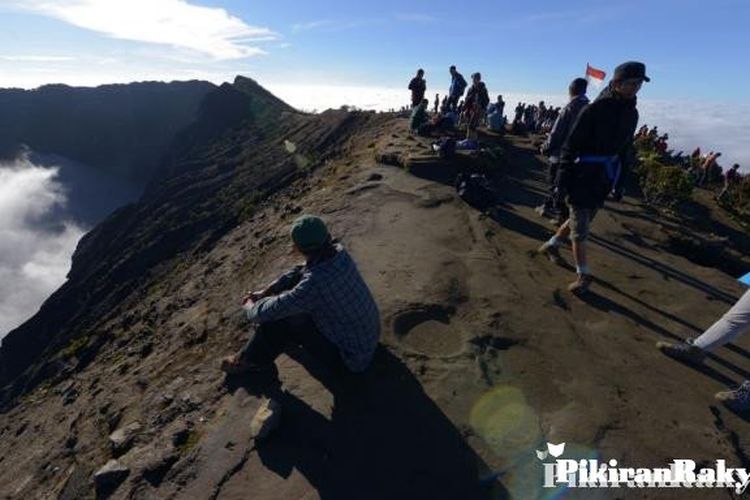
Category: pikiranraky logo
<point>681,473</point>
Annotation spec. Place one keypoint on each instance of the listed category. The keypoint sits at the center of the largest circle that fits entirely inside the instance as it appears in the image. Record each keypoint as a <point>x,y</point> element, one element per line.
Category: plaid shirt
<point>335,295</point>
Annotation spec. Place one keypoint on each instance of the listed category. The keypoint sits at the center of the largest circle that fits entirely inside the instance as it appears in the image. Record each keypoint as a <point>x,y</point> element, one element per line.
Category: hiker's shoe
<point>737,399</point>
<point>541,210</point>
<point>685,352</point>
<point>580,285</point>
<point>551,252</point>
<point>233,365</point>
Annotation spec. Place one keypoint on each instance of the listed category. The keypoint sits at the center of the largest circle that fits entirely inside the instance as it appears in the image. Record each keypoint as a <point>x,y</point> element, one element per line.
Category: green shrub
<point>75,346</point>
<point>663,185</point>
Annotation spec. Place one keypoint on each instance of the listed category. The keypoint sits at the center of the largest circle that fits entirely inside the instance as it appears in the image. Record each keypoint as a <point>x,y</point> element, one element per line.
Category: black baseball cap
<point>631,69</point>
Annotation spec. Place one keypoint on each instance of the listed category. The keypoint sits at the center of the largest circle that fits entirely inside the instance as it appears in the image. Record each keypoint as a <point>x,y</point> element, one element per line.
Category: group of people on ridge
<point>325,306</point>
<point>472,111</point>
<point>703,169</point>
<point>588,148</point>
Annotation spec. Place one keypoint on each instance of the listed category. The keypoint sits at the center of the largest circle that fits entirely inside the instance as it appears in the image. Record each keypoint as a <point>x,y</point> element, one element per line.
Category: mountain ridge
<point>484,357</point>
<point>122,129</point>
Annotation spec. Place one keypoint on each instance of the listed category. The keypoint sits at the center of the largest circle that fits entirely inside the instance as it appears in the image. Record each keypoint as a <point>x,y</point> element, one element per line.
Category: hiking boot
<point>685,352</point>
<point>233,365</point>
<point>552,253</point>
<point>581,285</point>
<point>736,399</point>
<point>542,210</point>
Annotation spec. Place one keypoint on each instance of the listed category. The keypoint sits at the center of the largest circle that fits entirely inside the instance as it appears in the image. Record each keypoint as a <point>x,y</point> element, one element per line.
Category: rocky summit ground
<point>485,355</point>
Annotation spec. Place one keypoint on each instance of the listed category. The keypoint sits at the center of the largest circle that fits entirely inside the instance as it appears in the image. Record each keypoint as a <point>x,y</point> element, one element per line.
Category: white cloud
<point>35,58</point>
<point>311,25</point>
<point>34,254</point>
<point>415,17</point>
<point>712,126</point>
<point>207,30</point>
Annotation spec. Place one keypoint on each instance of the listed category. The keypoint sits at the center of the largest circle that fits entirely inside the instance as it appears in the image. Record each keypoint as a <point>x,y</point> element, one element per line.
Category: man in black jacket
<point>591,162</point>
<point>553,145</point>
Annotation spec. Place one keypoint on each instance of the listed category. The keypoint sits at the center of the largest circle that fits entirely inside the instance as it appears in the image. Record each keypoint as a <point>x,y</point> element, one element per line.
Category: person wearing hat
<point>323,305</point>
<point>592,158</point>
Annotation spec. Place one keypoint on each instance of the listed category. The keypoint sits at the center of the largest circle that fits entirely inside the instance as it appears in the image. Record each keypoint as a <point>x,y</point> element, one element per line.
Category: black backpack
<point>446,147</point>
<point>475,190</point>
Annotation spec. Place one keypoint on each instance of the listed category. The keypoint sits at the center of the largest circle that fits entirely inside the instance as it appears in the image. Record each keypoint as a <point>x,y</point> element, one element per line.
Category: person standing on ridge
<point>552,146</point>
<point>437,103</point>
<point>709,165</point>
<point>730,178</point>
<point>418,86</point>
<point>475,105</point>
<point>500,105</point>
<point>324,305</point>
<point>456,90</point>
<point>592,159</point>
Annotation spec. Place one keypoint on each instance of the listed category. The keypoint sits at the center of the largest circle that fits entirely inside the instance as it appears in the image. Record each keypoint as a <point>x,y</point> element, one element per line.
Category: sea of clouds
<point>721,127</point>
<point>35,251</point>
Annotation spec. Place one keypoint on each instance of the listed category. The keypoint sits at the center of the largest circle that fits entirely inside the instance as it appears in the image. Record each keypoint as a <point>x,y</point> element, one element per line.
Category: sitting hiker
<point>323,305</point>
<point>444,122</point>
<point>495,118</point>
<point>553,145</point>
<point>495,121</point>
<point>420,120</point>
<point>598,148</point>
<point>735,322</point>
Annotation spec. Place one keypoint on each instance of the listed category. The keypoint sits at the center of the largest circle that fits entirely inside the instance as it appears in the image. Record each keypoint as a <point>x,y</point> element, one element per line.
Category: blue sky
<point>695,51</point>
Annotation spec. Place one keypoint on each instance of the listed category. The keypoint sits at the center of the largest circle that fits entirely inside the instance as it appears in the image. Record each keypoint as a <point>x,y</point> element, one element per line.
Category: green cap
<point>309,232</point>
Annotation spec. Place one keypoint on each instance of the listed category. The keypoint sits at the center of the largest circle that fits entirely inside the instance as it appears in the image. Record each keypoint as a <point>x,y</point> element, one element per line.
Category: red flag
<point>594,74</point>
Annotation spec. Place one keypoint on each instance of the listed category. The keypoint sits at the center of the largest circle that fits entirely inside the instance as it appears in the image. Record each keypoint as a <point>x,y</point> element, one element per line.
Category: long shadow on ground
<point>386,438</point>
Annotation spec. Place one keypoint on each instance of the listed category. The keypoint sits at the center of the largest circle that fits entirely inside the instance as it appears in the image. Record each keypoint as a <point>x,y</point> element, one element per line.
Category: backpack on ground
<point>475,190</point>
<point>445,147</point>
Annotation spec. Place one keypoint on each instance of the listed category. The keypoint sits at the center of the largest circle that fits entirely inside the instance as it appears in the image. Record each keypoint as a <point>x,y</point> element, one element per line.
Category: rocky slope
<point>485,356</point>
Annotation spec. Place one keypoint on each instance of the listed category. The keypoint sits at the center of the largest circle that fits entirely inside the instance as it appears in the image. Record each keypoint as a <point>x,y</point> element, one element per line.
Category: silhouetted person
<point>495,118</point>
<point>418,86</point>
<point>730,179</point>
<point>456,90</point>
<point>477,100</point>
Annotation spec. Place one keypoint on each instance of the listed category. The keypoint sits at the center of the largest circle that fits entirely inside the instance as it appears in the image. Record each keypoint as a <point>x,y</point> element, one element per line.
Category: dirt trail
<point>485,354</point>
